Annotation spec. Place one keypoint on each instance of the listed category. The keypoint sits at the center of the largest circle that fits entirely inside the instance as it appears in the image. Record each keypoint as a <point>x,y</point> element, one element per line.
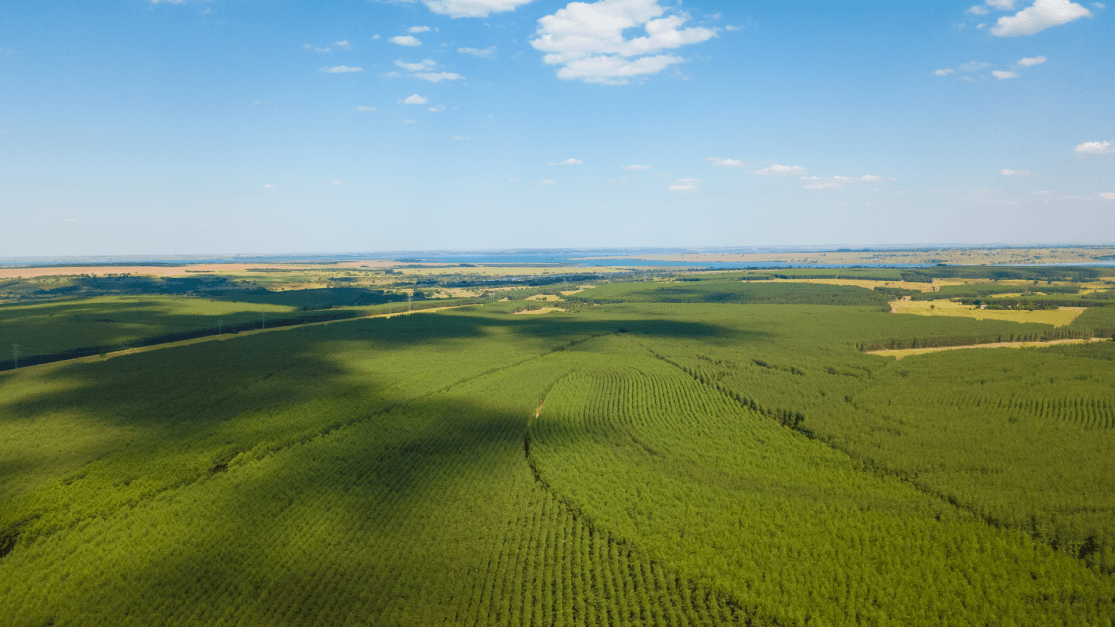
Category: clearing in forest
<point>899,353</point>
<point>1060,317</point>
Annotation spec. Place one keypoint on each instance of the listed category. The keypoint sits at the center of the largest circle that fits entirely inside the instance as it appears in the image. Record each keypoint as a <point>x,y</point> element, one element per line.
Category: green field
<point>687,453</point>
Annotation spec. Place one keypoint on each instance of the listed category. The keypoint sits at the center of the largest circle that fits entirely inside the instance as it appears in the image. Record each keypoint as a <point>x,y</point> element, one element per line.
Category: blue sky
<point>259,126</point>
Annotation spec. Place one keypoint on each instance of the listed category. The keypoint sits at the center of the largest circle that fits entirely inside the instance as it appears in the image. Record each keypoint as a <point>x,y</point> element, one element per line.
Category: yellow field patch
<point>921,287</point>
<point>544,297</point>
<point>907,352</point>
<point>539,311</point>
<point>1061,317</point>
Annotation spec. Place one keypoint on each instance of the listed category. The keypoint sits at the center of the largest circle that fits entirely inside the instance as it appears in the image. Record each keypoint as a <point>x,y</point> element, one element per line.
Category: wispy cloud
<point>685,185</point>
<point>943,72</point>
<point>405,40</point>
<point>1016,172</point>
<point>436,109</point>
<point>437,77</point>
<point>1028,61</point>
<point>569,162</point>
<point>547,181</point>
<point>316,48</point>
<point>1001,75</point>
<point>972,66</point>
<point>340,69</point>
<point>725,163</point>
<point>484,53</point>
<point>587,40</point>
<point>343,44</point>
<point>780,170</point>
<point>1095,148</point>
<point>421,66</point>
<point>1041,15</point>
<point>836,182</point>
<point>363,108</point>
<point>414,30</point>
<point>637,168</point>
<point>409,121</point>
<point>472,8</point>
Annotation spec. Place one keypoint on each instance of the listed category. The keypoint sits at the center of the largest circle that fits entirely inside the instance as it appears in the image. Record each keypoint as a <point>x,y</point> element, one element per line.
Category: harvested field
<point>1061,317</point>
<point>906,352</point>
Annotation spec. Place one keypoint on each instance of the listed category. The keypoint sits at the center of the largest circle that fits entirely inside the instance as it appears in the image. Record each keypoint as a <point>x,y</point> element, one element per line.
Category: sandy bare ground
<point>221,338</point>
<point>906,352</point>
<point>539,311</point>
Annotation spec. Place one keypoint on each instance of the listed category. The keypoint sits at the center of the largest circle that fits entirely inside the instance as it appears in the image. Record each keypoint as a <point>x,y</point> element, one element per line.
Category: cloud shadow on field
<point>170,417</point>
<point>375,484</point>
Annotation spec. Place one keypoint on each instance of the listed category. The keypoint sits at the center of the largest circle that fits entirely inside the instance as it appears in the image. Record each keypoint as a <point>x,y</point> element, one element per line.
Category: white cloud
<point>343,44</point>
<point>978,10</point>
<point>421,66</point>
<point>484,53</point>
<point>1028,61</point>
<point>335,183</point>
<point>415,99</point>
<point>316,48</point>
<point>637,168</point>
<point>780,170</point>
<point>1095,148</point>
<point>1016,172</point>
<point>836,182</point>
<point>1042,15</point>
<point>971,66</point>
<point>414,30</point>
<point>981,26</point>
<point>436,108</point>
<point>1001,75</point>
<point>1002,5</point>
<point>725,163</point>
<point>547,181</point>
<point>268,186</point>
<point>472,8</point>
<point>615,70</point>
<point>587,39</point>
<point>363,108</point>
<point>729,27</point>
<point>340,69</point>
<point>437,77</point>
<point>569,162</point>
<point>685,185</point>
<point>375,37</point>
<point>405,40</point>
<point>1099,5</point>
<point>943,72</point>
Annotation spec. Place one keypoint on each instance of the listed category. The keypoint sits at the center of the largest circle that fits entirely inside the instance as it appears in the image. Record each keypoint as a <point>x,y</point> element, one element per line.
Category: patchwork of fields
<point>690,453</point>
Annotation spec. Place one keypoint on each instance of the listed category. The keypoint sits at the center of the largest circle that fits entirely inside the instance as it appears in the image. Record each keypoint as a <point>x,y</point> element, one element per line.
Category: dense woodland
<point>698,452</point>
